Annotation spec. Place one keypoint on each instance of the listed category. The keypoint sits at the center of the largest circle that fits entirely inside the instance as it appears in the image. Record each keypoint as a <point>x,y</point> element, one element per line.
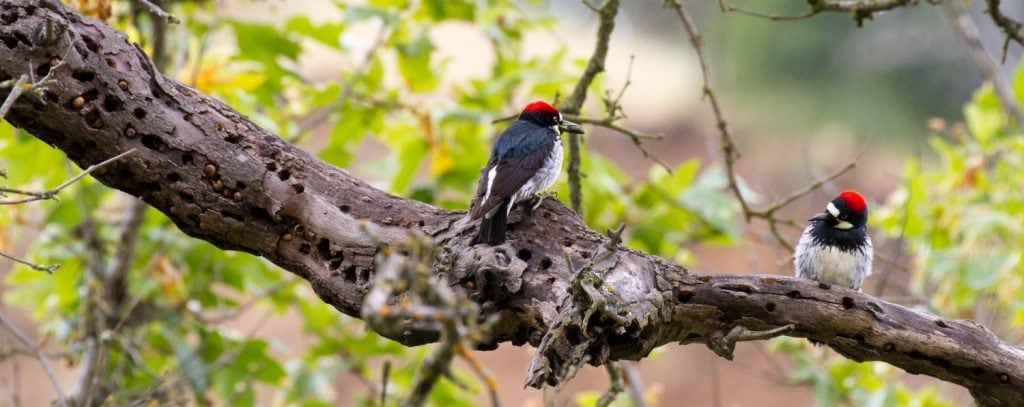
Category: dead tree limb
<point>221,178</point>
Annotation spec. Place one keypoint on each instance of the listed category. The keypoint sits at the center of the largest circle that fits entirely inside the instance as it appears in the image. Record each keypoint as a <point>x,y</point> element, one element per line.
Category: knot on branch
<point>591,313</point>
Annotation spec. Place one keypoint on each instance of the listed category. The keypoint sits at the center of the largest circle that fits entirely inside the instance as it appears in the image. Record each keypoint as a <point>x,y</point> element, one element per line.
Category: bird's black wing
<point>513,172</point>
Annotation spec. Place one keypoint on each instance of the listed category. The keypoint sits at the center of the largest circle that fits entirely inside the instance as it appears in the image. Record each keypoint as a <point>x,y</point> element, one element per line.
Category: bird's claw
<point>539,200</point>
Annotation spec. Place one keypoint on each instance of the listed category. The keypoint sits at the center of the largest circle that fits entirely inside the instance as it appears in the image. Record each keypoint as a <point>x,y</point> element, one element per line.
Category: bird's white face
<point>832,210</point>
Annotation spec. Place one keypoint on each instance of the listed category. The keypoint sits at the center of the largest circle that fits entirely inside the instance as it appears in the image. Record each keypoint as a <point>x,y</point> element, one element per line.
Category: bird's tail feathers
<point>494,225</point>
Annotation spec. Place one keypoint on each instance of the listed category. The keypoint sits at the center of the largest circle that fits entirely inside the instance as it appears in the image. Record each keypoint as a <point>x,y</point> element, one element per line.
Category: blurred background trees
<point>405,93</point>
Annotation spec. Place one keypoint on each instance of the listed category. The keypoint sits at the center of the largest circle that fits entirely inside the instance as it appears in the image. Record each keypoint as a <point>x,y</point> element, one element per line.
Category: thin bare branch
<point>47,368</point>
<point>159,12</point>
<point>1010,26</point>
<point>860,9</point>
<point>604,122</point>
<point>574,102</point>
<point>637,137</point>
<point>728,7</point>
<point>17,88</point>
<point>729,150</point>
<point>48,269</point>
<point>384,383</point>
<point>52,193</point>
<point>771,209</point>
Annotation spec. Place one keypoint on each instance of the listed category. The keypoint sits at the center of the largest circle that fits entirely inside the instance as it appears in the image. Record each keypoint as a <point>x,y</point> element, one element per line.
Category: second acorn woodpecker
<point>835,248</point>
<point>526,159</point>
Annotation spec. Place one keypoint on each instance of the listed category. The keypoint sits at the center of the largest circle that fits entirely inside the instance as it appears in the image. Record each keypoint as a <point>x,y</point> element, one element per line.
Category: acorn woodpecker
<point>835,248</point>
<point>526,159</point>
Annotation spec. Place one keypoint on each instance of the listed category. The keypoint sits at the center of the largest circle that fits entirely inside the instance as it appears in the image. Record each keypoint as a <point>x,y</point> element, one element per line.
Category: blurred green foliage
<point>963,218</point>
<point>838,381</point>
<point>882,80</point>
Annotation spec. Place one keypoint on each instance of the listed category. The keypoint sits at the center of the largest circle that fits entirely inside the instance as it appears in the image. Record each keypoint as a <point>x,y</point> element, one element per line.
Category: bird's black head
<point>847,211</point>
<point>544,114</point>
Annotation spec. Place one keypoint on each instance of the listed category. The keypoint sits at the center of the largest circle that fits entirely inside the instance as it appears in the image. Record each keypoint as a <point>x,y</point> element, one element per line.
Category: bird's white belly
<point>545,176</point>
<point>834,266</point>
<point>831,265</point>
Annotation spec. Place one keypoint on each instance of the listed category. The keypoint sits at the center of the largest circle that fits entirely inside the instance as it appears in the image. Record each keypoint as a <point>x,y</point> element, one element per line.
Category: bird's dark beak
<point>820,216</point>
<point>566,126</point>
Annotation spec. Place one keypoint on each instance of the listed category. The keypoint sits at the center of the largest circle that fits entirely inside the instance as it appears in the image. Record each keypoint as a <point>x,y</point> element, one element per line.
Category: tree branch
<point>1009,26</point>
<point>574,103</point>
<point>969,36</point>
<point>221,178</point>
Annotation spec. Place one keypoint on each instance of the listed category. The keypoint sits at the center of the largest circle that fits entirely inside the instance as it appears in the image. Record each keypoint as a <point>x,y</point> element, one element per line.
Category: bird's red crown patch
<point>854,200</point>
<point>540,106</point>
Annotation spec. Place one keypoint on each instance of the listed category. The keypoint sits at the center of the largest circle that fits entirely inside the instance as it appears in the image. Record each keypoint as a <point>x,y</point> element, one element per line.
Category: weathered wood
<point>221,178</point>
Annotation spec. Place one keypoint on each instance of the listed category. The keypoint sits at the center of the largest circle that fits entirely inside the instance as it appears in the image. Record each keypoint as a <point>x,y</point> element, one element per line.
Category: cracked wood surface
<point>222,179</point>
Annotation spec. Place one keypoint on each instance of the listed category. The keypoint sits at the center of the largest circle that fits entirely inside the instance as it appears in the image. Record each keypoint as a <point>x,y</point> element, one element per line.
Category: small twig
<point>52,193</point>
<point>17,88</point>
<point>729,7</point>
<point>635,136</point>
<point>969,36</point>
<point>729,150</point>
<point>612,126</point>
<point>771,209</point>
<point>159,12</point>
<point>614,370</point>
<point>1010,26</point>
<point>384,383</point>
<point>48,269</point>
<point>61,401</point>
<point>728,145</point>
<point>614,106</point>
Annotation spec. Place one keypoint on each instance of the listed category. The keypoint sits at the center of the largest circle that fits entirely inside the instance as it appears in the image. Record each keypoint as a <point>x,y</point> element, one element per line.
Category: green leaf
<point>414,63</point>
<point>328,34</point>
<point>440,10</point>
<point>265,44</point>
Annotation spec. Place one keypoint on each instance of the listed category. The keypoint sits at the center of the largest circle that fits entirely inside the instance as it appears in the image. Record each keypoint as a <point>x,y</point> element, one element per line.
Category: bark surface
<point>576,294</point>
